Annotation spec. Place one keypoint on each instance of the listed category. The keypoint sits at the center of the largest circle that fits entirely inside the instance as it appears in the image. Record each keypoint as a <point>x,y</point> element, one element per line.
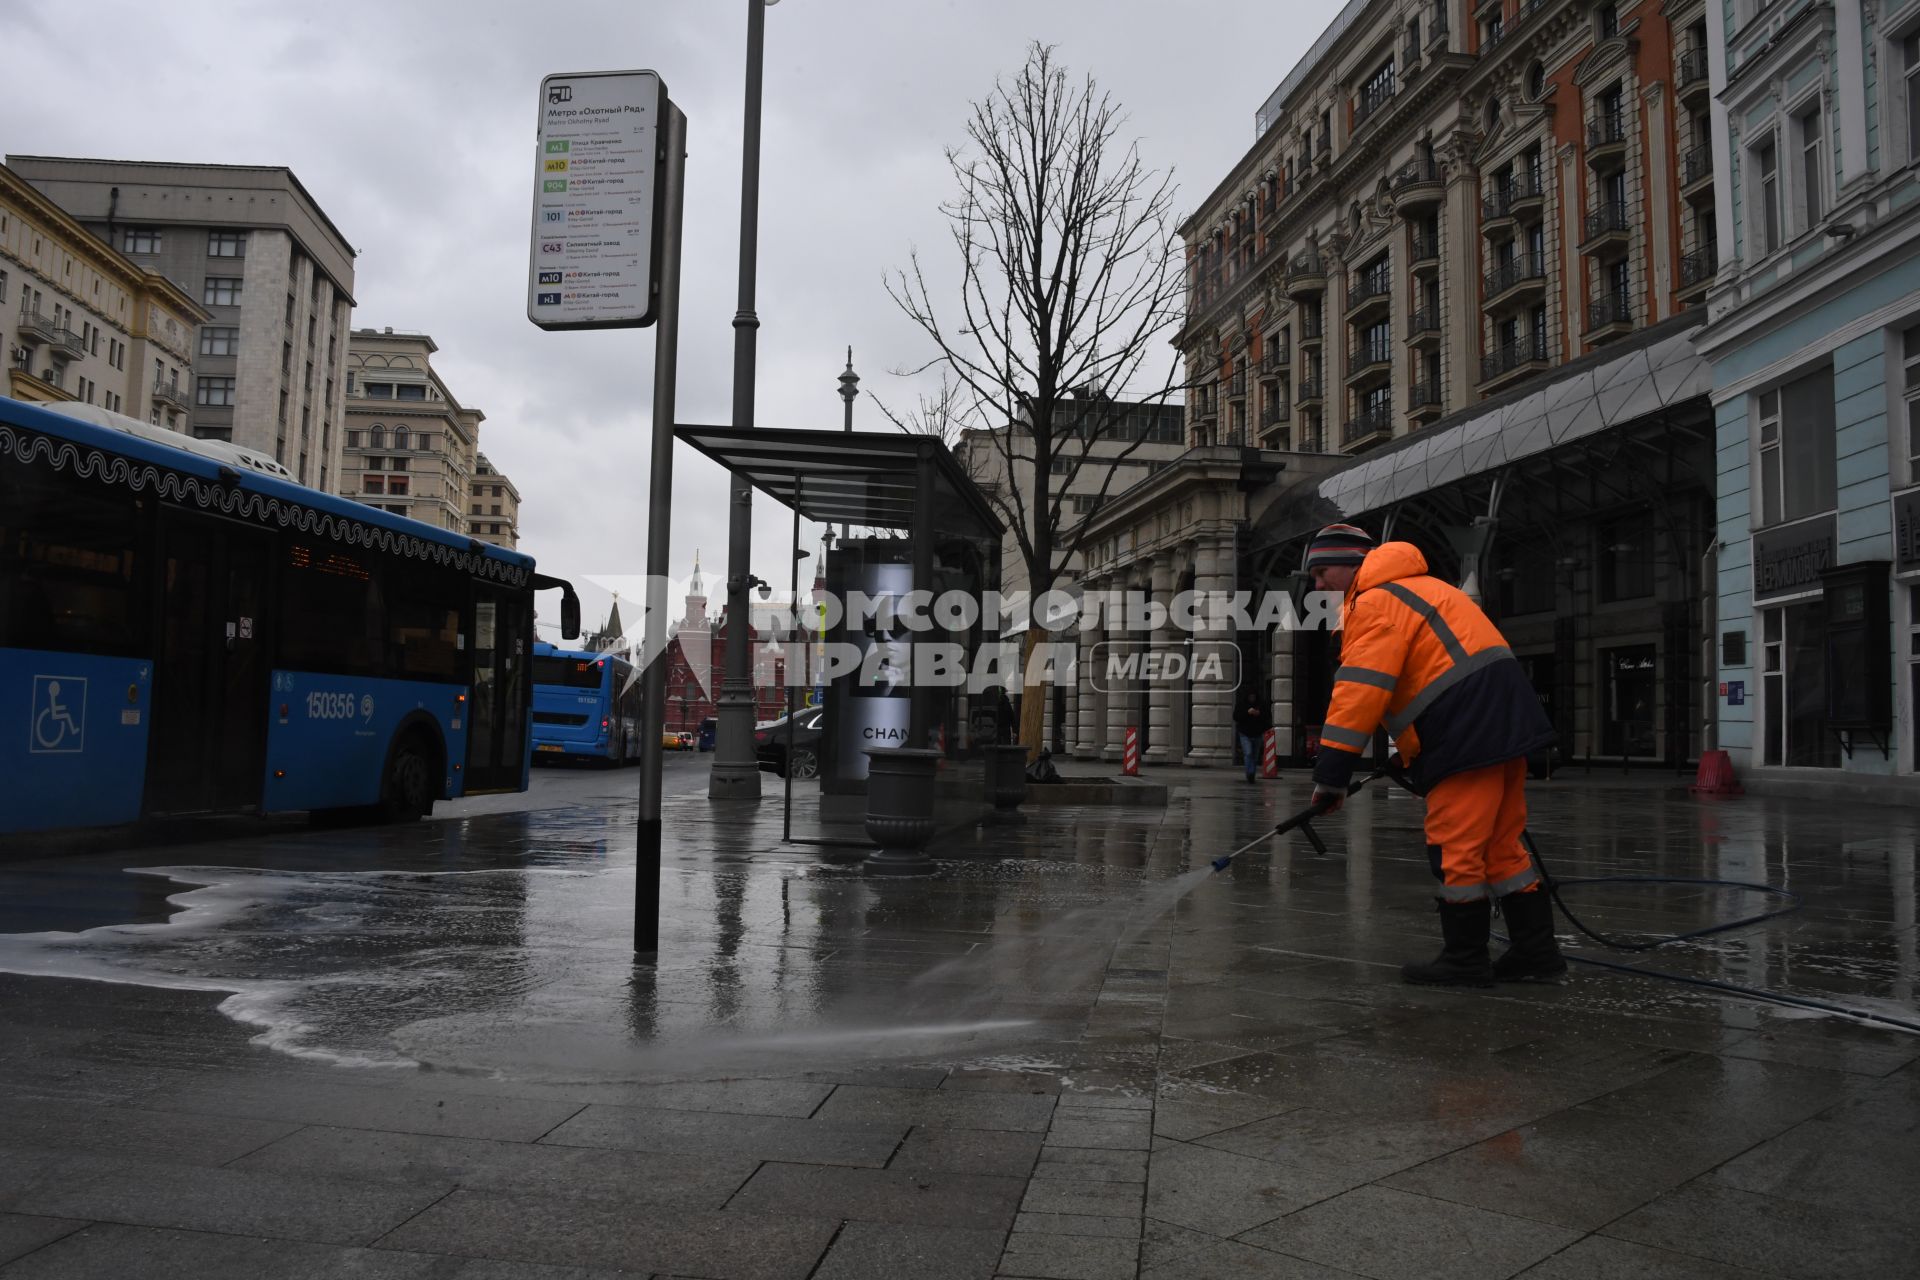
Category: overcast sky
<point>412,123</point>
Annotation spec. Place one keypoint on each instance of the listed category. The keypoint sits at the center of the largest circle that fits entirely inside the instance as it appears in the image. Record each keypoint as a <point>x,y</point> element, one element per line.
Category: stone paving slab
<point>653,1181</point>
<point>1391,1235</point>
<point>284,1206</point>
<point>368,1106</point>
<point>818,1141</point>
<point>872,1251</point>
<point>980,1201</point>
<point>66,1125</point>
<point>751,1246</point>
<point>1812,1242</point>
<point>114,1249</point>
<point>22,1233</point>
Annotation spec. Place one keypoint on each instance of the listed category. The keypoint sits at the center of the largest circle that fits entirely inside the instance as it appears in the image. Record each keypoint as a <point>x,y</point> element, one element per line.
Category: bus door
<point>497,731</point>
<point>210,676</point>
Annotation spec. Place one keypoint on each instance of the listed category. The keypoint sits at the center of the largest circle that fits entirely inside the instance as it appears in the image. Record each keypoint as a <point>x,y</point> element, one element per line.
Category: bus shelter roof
<point>863,478</point>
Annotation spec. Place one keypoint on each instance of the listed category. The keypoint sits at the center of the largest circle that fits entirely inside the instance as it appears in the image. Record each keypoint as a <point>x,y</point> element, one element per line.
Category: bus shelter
<point>903,516</point>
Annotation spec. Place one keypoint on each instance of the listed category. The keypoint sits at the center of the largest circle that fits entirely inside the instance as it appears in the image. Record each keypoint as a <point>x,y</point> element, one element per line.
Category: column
<point>1215,671</point>
<point>1090,720</point>
<point>1166,644</point>
<point>1280,690</point>
<point>1122,692</point>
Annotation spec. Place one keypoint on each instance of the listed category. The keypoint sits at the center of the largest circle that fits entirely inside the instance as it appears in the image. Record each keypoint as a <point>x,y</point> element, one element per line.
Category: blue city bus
<point>586,705</point>
<point>186,630</point>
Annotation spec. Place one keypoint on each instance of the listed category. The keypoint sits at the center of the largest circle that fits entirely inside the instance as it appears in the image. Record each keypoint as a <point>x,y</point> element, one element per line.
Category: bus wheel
<point>406,794</point>
<point>805,763</point>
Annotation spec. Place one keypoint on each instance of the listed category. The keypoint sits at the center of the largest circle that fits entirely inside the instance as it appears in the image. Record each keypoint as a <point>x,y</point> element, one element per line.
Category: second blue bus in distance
<point>586,706</point>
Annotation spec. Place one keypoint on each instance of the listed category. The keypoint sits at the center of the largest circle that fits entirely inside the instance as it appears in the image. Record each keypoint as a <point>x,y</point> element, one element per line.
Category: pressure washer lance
<point>1302,822</point>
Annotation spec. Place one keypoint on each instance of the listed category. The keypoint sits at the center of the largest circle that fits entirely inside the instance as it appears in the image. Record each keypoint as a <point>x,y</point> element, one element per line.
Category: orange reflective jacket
<point>1419,657</point>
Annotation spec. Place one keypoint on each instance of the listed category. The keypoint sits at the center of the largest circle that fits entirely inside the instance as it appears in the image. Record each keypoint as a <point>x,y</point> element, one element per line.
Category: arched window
<point>377,438</point>
<point>1493,114</point>
<point>1536,81</point>
<point>400,438</point>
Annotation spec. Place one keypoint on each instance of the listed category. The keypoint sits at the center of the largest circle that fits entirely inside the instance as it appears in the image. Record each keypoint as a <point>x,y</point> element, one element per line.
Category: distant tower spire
<point>849,387</point>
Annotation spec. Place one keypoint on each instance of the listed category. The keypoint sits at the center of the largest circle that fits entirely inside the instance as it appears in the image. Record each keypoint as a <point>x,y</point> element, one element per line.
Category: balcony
<point>1236,385</point>
<point>1696,174</point>
<point>1279,438</point>
<point>1423,400</point>
<point>35,328</point>
<point>1520,195</point>
<point>1273,359</point>
<point>1306,277</point>
<point>1523,277</point>
<point>1323,152</point>
<point>172,393</point>
<point>67,345</point>
<point>1369,360</point>
<point>1418,187</point>
<point>1272,414</point>
<point>1609,230</point>
<point>1368,102</point>
<point>1607,141</point>
<point>1696,273</point>
<point>1369,292</point>
<point>1369,426</point>
<point>1512,361</point>
<point>1312,329</point>
<point>1425,252</point>
<point>1691,81</point>
<point>1423,327</point>
<point>1309,391</point>
<point>1609,316</point>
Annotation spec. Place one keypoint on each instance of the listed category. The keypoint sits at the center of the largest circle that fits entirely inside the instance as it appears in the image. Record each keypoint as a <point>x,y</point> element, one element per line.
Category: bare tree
<point>940,415</point>
<point>1069,281</point>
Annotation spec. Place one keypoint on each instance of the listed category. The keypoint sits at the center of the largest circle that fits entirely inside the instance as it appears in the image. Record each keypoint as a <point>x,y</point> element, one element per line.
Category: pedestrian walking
<point>1005,725</point>
<point>1419,657</point>
<point>1250,723</point>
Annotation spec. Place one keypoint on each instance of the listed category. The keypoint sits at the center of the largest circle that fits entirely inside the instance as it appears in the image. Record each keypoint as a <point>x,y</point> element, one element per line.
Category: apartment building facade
<point>1458,270</point>
<point>410,447</point>
<point>253,248</point>
<point>1815,347</point>
<point>494,506</point>
<point>80,321</point>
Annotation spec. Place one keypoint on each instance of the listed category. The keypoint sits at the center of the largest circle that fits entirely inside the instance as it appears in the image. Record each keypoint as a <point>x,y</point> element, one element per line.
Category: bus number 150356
<point>336,706</point>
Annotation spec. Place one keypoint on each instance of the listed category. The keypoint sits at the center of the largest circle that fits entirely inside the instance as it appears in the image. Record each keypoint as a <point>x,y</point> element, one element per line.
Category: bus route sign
<point>595,262</point>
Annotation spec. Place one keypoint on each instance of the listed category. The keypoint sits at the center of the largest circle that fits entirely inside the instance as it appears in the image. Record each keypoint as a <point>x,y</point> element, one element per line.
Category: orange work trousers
<point>1474,821</point>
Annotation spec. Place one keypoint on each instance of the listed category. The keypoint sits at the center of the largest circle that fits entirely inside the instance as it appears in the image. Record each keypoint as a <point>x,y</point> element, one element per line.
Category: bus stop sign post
<point>609,181</point>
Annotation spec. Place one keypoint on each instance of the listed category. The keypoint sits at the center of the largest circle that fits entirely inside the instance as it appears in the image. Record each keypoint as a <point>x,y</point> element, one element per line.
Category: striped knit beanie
<point>1338,544</point>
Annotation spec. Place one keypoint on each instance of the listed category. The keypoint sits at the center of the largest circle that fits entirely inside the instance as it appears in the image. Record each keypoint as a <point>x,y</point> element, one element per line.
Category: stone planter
<point>900,787</point>
<point>1006,782</point>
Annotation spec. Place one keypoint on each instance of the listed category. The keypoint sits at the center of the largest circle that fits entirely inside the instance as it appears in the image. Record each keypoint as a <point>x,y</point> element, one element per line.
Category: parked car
<point>709,729</point>
<point>770,743</point>
<point>671,741</point>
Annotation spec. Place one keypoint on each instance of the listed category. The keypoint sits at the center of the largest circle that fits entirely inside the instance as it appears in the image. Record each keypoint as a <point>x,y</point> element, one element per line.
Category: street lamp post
<point>849,388</point>
<point>736,772</point>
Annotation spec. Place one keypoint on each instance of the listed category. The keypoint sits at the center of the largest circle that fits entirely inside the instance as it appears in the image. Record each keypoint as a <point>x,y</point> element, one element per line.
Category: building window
<point>1793,687</point>
<point>1626,560</point>
<point>215,392</point>
<point>401,437</point>
<point>1609,21</point>
<point>396,484</point>
<point>378,390</point>
<point>1811,184</point>
<point>1794,432</point>
<point>353,439</point>
<point>220,341</point>
<point>1910,443</point>
<point>476,508</point>
<point>221,291</point>
<point>1766,168</point>
<point>373,484</point>
<point>140,240</point>
<point>377,438</point>
<point>397,464</point>
<point>406,391</point>
<point>1913,674</point>
<point>226,244</point>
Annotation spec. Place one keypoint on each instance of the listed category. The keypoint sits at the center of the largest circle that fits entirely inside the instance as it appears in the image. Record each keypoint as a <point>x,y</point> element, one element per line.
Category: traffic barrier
<point>1130,753</point>
<point>1270,754</point>
<point>1715,777</point>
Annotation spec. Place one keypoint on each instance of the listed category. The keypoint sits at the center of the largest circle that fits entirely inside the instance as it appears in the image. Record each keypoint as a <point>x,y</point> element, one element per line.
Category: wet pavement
<point>430,1052</point>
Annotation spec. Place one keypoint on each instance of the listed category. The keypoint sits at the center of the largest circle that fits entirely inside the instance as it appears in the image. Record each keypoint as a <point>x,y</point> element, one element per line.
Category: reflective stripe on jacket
<point>1419,658</point>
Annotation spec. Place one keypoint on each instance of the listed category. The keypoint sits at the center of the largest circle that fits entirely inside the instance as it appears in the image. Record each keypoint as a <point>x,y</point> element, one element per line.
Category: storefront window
<point>1794,676</point>
<point>1631,688</point>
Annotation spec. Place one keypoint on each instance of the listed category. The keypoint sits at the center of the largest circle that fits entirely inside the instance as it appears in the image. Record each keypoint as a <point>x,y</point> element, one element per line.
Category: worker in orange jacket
<point>1418,656</point>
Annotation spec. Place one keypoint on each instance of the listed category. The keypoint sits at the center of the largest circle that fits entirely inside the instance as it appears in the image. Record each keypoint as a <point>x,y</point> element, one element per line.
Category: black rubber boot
<point>1463,961</point>
<point>1532,954</point>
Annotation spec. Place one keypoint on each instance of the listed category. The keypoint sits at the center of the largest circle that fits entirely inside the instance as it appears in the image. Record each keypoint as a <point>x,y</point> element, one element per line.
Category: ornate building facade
<point>1449,293</point>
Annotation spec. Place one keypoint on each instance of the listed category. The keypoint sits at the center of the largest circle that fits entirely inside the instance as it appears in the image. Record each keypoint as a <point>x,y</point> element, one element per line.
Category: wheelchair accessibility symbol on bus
<point>59,715</point>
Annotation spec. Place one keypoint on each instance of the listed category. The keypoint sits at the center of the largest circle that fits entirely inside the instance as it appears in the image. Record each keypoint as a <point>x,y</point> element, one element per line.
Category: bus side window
<point>423,631</point>
<point>332,612</point>
<point>70,565</point>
